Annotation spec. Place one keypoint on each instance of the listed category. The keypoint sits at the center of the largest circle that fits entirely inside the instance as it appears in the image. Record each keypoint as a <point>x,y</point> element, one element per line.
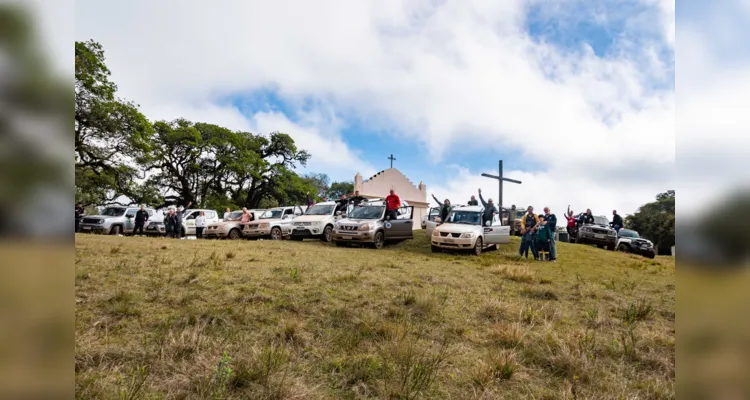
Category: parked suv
<point>316,223</point>
<point>431,215</point>
<point>462,230</point>
<point>629,241</point>
<point>367,225</point>
<point>599,233</point>
<point>230,228</point>
<point>275,223</point>
<point>115,220</point>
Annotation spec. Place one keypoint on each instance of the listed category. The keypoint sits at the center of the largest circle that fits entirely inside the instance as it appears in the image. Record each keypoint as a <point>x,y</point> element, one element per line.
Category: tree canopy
<point>656,221</point>
<point>120,153</point>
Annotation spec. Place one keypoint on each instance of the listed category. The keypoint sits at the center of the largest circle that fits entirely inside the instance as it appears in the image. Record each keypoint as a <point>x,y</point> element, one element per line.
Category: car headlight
<point>365,227</point>
<point>297,224</point>
<point>612,233</point>
<point>263,226</point>
<point>435,233</point>
<point>467,235</point>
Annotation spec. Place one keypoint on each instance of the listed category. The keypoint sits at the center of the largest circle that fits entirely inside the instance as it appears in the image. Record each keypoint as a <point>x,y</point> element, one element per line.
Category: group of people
<point>490,210</point>
<point>538,234</point>
<point>588,218</point>
<point>392,203</point>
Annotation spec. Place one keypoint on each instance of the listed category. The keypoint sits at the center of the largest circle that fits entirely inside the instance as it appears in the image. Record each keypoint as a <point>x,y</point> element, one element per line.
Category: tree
<point>111,135</point>
<point>656,221</point>
<point>337,189</point>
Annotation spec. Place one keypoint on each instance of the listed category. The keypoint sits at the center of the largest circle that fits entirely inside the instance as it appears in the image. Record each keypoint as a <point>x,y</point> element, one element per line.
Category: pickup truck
<point>463,230</point>
<point>599,233</point>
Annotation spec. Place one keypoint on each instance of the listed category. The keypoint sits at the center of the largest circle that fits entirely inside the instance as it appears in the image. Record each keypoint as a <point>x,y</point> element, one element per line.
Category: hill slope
<point>160,318</point>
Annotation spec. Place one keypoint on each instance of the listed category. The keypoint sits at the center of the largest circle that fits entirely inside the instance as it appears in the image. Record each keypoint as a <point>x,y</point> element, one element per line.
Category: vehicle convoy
<point>462,230</point>
<point>599,233</point>
<point>230,228</point>
<point>367,224</point>
<point>115,220</point>
<point>316,223</point>
<point>275,223</point>
<point>629,241</point>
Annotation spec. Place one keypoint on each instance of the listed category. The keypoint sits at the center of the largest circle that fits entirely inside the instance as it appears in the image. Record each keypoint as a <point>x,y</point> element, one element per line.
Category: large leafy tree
<point>656,221</point>
<point>337,189</point>
<point>111,136</point>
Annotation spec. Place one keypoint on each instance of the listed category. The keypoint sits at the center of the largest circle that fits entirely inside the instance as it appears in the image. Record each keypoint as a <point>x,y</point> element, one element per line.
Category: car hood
<point>103,216</point>
<point>458,228</point>
<point>224,223</point>
<point>353,221</point>
<point>310,218</point>
<point>269,221</point>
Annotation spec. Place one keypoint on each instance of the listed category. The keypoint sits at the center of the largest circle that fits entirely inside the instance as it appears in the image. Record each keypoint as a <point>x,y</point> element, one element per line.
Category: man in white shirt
<point>200,224</point>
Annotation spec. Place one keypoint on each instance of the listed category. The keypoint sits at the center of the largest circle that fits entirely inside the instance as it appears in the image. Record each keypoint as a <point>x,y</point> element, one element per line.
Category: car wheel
<point>276,233</point>
<point>478,247</point>
<point>623,248</point>
<point>328,233</point>
<point>436,249</point>
<point>651,255</point>
<point>116,230</point>
<point>234,234</point>
<point>379,241</point>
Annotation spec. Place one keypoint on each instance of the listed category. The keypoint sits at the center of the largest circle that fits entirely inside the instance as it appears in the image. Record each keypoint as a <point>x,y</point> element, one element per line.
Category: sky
<point>577,97</point>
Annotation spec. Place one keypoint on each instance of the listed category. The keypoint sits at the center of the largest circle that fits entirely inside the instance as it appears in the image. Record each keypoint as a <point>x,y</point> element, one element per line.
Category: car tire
<point>477,251</point>
<point>379,242</point>
<point>234,234</point>
<point>327,235</point>
<point>116,230</point>
<point>623,248</point>
<point>651,255</point>
<point>436,249</point>
<point>276,233</point>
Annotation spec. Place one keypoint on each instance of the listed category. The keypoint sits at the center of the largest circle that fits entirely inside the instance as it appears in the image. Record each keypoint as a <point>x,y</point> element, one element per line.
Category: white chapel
<point>380,185</point>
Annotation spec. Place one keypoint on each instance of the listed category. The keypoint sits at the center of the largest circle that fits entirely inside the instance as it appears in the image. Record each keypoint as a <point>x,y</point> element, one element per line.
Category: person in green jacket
<point>445,208</point>
<point>543,236</point>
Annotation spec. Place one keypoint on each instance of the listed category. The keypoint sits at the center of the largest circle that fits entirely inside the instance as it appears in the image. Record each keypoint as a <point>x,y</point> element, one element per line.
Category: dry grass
<point>159,318</point>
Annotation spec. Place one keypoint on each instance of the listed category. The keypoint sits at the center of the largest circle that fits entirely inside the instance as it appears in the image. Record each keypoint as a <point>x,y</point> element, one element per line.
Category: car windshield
<point>273,213</point>
<point>367,212</point>
<point>464,217</point>
<point>601,220</point>
<point>628,233</point>
<point>234,216</point>
<point>435,211</point>
<point>320,209</point>
<point>113,211</point>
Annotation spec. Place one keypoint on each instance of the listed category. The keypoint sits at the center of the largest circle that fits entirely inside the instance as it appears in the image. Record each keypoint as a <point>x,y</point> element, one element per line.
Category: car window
<point>210,214</point>
<point>131,211</point>
<point>298,210</point>
<point>320,209</point>
<point>288,211</point>
<point>193,215</point>
<point>150,213</point>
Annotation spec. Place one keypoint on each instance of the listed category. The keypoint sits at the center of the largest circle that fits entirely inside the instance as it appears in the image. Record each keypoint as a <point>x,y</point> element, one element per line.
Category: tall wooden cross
<point>500,178</point>
<point>392,158</point>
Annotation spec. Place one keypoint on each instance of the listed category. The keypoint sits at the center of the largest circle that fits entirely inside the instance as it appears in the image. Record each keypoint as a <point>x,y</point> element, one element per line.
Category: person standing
<point>617,223</point>
<point>200,224</point>
<point>587,217</point>
<point>227,213</point>
<point>550,222</point>
<point>180,213</point>
<point>342,204</point>
<point>392,204</point>
<point>543,239</point>
<point>141,216</point>
<point>246,216</point>
<point>528,222</point>
<point>170,224</point>
<point>571,223</point>
<point>473,201</point>
<point>357,199</point>
<point>445,208</point>
<point>489,209</point>
<point>80,213</point>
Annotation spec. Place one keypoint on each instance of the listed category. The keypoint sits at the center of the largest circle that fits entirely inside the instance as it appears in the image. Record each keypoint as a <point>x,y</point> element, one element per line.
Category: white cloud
<point>448,73</point>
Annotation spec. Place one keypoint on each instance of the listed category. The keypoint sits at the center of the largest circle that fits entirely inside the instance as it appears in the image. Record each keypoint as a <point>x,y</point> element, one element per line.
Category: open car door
<point>496,233</point>
<point>403,226</point>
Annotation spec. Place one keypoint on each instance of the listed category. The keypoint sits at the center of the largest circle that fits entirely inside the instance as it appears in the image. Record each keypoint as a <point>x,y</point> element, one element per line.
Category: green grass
<point>160,318</point>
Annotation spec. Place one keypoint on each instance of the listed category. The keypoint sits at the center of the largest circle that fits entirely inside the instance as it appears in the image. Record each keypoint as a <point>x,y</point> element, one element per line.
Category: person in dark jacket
<point>141,216</point>
<point>616,221</point>
<point>587,217</point>
<point>445,208</point>
<point>180,213</point>
<point>473,201</point>
<point>549,221</point>
<point>489,209</point>
<point>342,204</point>
<point>80,212</point>
<point>170,224</point>
<point>357,199</point>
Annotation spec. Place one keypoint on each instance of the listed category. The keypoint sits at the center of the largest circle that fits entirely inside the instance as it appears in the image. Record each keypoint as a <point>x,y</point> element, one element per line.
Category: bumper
<point>453,243</point>
<point>643,252</point>
<point>155,230</point>
<point>93,228</point>
<point>596,239</point>
<point>353,236</point>
<point>306,231</point>
<point>215,233</point>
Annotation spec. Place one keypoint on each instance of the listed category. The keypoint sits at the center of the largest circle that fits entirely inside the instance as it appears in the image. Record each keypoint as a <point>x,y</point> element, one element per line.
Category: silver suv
<point>115,220</point>
<point>367,225</point>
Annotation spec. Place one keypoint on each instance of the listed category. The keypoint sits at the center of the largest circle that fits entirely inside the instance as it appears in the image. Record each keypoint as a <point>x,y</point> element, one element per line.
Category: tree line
<point>656,221</point>
<point>120,153</point>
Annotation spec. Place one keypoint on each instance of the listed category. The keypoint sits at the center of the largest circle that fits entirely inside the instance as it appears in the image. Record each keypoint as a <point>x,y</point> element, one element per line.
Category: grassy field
<point>160,318</point>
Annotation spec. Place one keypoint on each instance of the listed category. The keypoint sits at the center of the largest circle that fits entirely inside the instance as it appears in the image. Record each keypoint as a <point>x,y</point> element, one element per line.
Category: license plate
<point>450,241</point>
<point>86,228</point>
<point>346,237</point>
<point>300,228</point>
<point>599,236</point>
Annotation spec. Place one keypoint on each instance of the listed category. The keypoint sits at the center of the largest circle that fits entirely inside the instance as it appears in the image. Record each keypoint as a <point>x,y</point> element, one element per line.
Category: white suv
<point>115,220</point>
<point>317,222</point>
<point>275,223</point>
<point>462,230</point>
